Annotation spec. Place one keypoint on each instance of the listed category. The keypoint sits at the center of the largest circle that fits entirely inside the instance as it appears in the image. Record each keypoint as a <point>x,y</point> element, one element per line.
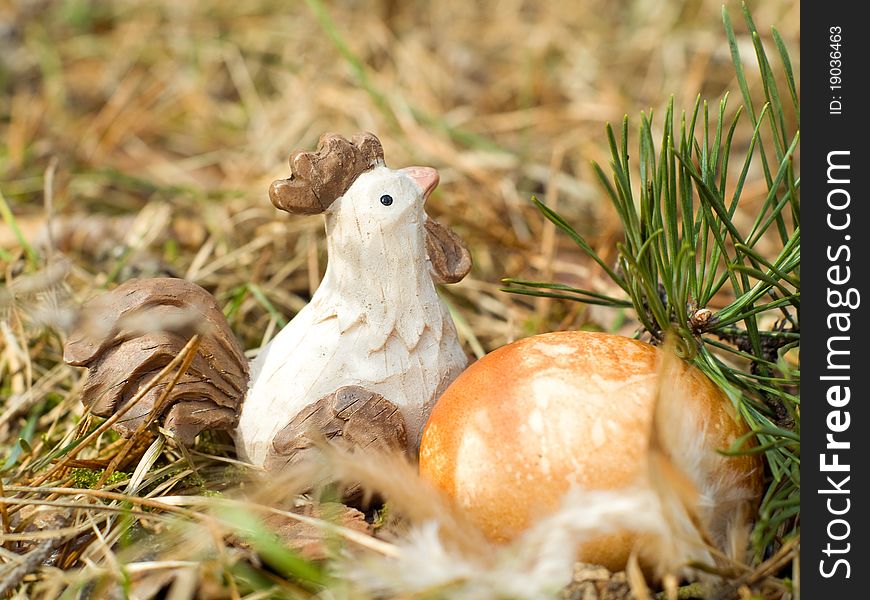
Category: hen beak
<point>426,178</point>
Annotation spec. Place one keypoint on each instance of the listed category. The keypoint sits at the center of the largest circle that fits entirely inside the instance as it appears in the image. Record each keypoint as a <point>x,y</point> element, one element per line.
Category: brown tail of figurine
<point>127,336</point>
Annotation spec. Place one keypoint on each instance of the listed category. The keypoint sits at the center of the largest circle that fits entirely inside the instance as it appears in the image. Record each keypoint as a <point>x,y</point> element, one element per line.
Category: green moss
<point>89,478</point>
<point>382,516</point>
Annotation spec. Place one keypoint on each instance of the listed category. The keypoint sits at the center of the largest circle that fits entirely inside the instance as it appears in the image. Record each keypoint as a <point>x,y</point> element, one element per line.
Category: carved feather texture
<point>319,177</point>
<point>126,336</point>
<point>349,417</point>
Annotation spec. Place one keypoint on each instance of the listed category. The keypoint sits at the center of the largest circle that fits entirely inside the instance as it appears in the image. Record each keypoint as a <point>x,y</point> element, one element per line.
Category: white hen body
<point>375,321</point>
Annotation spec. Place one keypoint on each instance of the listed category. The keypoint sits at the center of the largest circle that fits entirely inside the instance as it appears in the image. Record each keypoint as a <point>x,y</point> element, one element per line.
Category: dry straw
<point>168,120</point>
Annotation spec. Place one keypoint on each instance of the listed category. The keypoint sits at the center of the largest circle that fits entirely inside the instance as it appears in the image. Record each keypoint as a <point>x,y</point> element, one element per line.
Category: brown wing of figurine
<point>352,417</point>
<point>127,336</point>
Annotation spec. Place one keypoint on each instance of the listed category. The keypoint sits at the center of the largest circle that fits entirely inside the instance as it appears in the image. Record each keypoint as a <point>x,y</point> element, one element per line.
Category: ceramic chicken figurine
<point>364,361</point>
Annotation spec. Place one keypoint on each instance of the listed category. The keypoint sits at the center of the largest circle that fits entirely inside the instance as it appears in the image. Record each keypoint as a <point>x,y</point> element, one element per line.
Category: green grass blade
<point>260,296</point>
<point>266,544</point>
<point>9,218</point>
<point>327,24</point>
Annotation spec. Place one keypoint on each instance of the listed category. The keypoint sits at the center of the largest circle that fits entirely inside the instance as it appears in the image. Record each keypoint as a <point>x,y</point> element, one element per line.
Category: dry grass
<point>139,138</point>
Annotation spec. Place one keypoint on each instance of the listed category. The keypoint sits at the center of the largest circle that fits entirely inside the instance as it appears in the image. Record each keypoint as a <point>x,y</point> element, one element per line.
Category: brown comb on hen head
<point>318,178</point>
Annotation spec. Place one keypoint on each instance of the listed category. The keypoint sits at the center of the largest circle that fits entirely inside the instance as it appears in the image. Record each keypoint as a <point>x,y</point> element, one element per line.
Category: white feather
<point>536,566</point>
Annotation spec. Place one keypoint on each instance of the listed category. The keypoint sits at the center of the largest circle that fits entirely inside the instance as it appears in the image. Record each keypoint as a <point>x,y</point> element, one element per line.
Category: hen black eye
<point>386,199</point>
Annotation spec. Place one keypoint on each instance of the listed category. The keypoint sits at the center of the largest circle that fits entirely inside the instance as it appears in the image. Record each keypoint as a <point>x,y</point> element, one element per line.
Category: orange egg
<point>522,425</point>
